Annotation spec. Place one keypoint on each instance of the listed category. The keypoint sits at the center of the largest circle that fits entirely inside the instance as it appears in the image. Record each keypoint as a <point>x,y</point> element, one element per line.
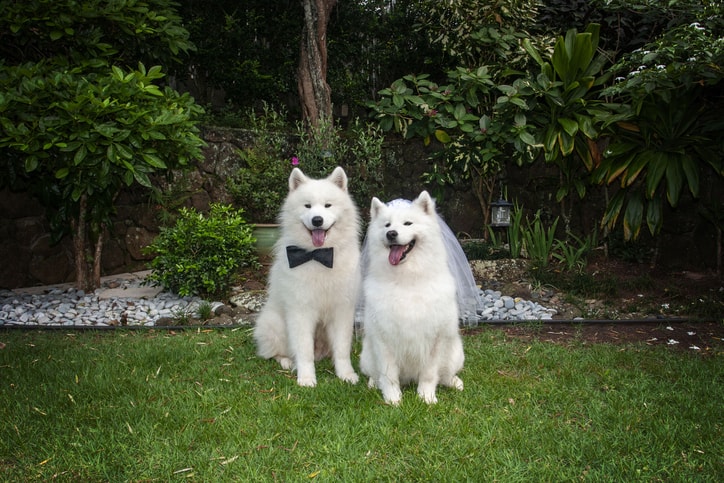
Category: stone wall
<point>28,258</point>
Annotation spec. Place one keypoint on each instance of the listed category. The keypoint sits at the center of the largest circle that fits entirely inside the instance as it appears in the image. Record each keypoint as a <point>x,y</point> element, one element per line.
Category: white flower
<point>696,348</point>
<point>691,333</point>
<point>672,342</point>
<point>669,328</point>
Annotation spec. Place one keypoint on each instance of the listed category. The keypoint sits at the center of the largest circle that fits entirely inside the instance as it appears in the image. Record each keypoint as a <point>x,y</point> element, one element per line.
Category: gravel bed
<point>67,306</point>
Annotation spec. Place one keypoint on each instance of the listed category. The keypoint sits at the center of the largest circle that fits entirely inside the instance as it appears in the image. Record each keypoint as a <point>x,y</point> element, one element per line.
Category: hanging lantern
<point>500,212</point>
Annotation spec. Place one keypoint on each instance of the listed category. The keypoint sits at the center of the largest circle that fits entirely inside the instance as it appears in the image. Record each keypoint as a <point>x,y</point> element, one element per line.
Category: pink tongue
<point>396,252</point>
<point>318,237</point>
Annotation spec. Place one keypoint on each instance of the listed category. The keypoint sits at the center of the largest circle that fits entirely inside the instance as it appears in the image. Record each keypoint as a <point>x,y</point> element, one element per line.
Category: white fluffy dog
<point>314,279</point>
<point>410,308</point>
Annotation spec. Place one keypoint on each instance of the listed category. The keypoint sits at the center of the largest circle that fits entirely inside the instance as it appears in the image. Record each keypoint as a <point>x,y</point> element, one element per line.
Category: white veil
<point>470,302</point>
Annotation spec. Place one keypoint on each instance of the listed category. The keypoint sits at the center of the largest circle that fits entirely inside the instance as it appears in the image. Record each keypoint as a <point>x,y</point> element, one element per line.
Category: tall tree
<point>314,92</point>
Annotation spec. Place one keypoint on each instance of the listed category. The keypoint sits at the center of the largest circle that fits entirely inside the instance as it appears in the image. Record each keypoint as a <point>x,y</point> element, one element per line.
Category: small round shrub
<point>201,254</point>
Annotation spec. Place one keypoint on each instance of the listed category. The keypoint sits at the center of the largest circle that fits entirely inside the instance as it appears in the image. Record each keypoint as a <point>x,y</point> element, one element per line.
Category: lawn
<point>197,405</point>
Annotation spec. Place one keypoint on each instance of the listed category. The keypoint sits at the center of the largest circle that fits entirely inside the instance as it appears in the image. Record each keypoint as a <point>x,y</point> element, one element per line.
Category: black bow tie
<point>297,255</point>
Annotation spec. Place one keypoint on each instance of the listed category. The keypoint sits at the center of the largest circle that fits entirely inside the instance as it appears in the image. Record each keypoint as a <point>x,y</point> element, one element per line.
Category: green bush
<point>201,254</point>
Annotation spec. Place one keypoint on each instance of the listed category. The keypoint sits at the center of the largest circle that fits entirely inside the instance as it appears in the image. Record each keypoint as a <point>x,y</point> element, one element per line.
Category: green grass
<point>199,406</point>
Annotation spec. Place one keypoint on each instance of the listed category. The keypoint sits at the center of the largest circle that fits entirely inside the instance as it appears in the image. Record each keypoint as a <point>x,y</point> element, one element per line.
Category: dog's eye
<point>307,205</point>
<point>328,205</point>
<point>408,223</point>
<point>387,225</point>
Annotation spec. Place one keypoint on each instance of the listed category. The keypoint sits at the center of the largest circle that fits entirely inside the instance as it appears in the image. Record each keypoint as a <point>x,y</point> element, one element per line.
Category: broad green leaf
<point>569,125</point>
<point>442,136</point>
<point>561,193</point>
<point>655,173</point>
<point>550,140</point>
<point>62,173</point>
<point>559,60</point>
<point>613,210</point>
<point>31,163</point>
<point>527,138</point>
<point>633,217</point>
<point>674,180</point>
<point>585,125</point>
<point>654,219</point>
<point>154,161</point>
<point>634,167</point>
<point>460,111</point>
<point>528,47</point>
<point>123,151</point>
<point>618,166</point>
<point>692,174</point>
<point>142,179</point>
<point>484,122</point>
<point>117,72</point>
<point>565,141</point>
<point>519,102</point>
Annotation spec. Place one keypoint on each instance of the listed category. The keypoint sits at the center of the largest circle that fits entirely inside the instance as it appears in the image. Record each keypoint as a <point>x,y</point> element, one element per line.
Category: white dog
<point>410,307</point>
<point>314,279</point>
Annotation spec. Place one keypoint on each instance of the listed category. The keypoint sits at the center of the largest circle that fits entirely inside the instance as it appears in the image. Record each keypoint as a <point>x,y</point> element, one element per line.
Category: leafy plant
<point>568,85</point>
<point>481,125</point>
<point>666,131</point>
<point>515,231</point>
<point>201,254</point>
<point>572,252</point>
<point>538,241</point>
<point>83,119</point>
<point>204,310</point>
<point>261,184</point>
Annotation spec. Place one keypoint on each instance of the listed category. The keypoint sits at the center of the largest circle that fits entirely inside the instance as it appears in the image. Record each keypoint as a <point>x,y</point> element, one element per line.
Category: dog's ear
<point>339,177</point>
<point>296,179</point>
<point>426,203</point>
<point>376,207</point>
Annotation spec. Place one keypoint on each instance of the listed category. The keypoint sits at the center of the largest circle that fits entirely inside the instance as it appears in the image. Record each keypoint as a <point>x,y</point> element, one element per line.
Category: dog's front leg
<point>427,385</point>
<point>340,333</point>
<point>389,384</point>
<point>301,343</point>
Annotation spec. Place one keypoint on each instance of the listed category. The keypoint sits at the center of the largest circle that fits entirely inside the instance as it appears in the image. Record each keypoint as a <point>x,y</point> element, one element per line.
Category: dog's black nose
<point>317,221</point>
<point>392,235</point>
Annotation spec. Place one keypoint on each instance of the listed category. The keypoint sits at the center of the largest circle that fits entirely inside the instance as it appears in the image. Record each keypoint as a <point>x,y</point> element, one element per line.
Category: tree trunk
<point>87,260</point>
<point>314,92</point>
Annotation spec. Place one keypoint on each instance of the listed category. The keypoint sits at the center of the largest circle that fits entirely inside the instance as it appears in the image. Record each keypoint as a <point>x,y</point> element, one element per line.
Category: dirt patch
<point>699,337</point>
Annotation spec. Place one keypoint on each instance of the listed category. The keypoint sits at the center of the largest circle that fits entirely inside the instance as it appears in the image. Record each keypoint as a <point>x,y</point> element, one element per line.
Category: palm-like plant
<point>568,86</point>
<point>667,131</point>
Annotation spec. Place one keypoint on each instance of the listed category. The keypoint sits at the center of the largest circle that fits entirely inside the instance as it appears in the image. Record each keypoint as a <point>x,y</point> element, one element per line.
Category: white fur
<point>410,312</point>
<point>309,313</point>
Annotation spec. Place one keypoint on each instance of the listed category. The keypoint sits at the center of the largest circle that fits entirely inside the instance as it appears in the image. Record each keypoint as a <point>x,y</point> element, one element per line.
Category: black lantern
<point>500,213</point>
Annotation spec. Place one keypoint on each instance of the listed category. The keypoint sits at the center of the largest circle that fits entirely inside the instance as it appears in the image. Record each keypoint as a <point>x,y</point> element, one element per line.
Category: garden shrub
<point>201,254</point>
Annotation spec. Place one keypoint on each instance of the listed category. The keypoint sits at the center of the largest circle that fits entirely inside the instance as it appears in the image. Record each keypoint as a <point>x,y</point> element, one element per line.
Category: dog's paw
<point>286,363</point>
<point>393,396</point>
<point>457,383</point>
<point>307,381</point>
<point>371,384</point>
<point>350,377</point>
<point>428,396</point>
